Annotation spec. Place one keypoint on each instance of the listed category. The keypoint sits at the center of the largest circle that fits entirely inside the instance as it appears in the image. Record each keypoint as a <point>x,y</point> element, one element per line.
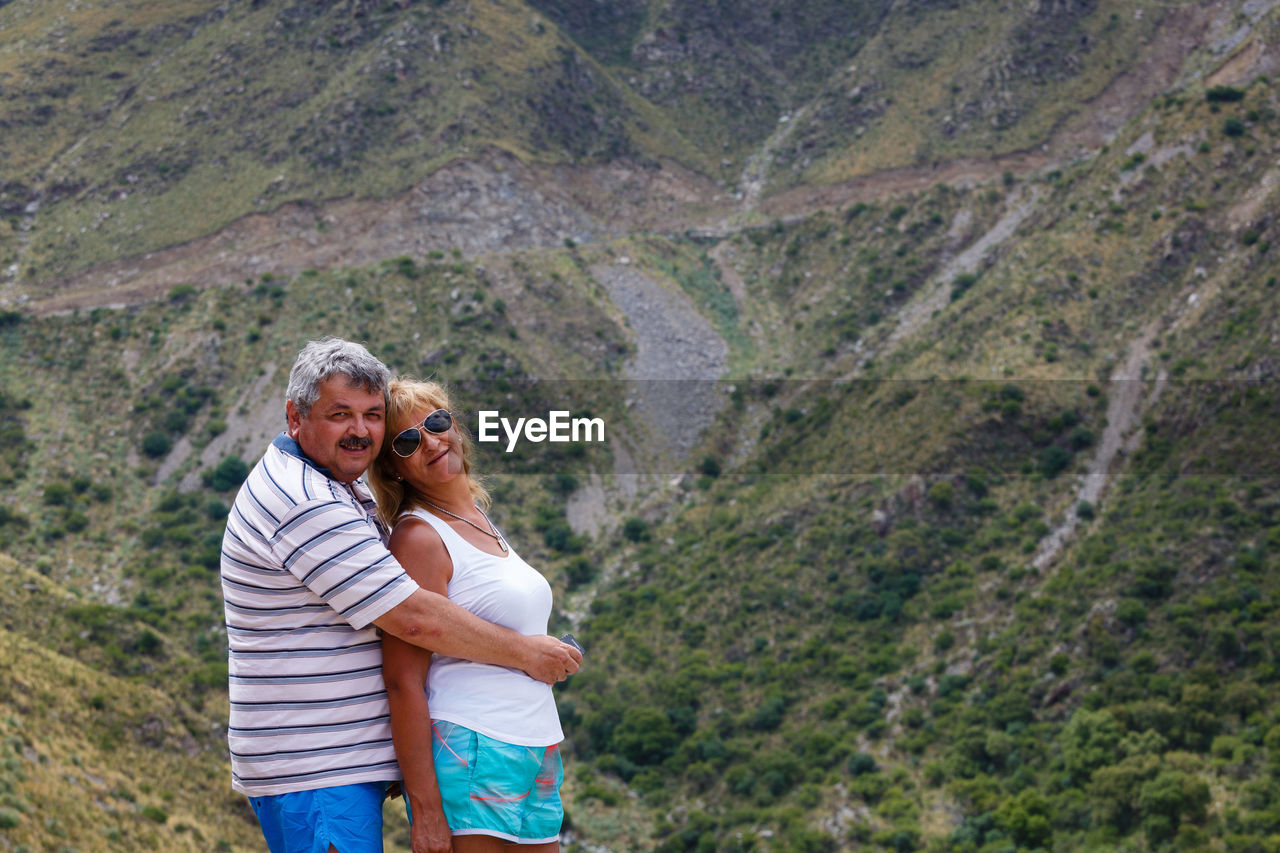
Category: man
<point>306,577</point>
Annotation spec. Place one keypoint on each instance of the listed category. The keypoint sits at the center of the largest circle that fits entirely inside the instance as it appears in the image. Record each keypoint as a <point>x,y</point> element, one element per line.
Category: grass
<point>70,731</point>
<point>960,50</point>
<point>197,137</point>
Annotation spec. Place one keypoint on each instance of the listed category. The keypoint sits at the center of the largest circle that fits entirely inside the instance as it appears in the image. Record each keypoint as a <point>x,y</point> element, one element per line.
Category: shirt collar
<point>289,445</point>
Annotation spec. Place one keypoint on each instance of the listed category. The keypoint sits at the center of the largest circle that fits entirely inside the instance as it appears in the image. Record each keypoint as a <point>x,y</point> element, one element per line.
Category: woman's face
<point>438,459</point>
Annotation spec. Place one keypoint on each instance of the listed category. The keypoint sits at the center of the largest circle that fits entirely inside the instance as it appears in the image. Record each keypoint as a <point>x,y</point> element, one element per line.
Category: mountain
<point>935,344</point>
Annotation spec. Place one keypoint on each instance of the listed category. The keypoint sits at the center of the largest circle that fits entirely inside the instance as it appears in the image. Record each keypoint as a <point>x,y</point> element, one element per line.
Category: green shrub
<point>564,483</point>
<point>212,675</point>
<point>406,267</point>
<point>962,283</point>
<point>560,536</point>
<point>228,474</point>
<point>1081,438</point>
<point>579,571</point>
<point>57,494</point>
<point>181,292</point>
<point>946,606</point>
<point>1026,818</point>
<point>768,714</point>
<point>1089,741</point>
<point>645,736</point>
<point>635,529</point>
<point>1053,460</point>
<point>155,444</point>
<point>155,813</point>
<point>1131,613</point>
<point>1224,94</point>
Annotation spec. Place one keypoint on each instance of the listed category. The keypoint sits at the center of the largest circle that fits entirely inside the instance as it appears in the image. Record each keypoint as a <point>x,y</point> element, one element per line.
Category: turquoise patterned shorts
<point>490,787</point>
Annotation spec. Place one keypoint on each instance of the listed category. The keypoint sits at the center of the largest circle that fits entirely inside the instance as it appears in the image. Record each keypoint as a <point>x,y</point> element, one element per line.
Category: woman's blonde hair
<point>396,497</point>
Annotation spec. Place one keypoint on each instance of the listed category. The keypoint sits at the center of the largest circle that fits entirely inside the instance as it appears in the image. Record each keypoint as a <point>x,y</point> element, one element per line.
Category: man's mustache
<point>356,443</point>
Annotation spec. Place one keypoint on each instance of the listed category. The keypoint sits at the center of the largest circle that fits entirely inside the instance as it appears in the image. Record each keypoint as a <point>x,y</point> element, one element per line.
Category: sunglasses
<point>406,443</point>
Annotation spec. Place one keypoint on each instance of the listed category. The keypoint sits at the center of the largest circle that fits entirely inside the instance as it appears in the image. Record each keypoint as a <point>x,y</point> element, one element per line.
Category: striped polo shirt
<point>305,571</point>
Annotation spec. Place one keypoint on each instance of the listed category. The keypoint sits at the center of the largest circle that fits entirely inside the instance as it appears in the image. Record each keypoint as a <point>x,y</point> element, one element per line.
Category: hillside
<point>939,508</point>
<point>215,134</point>
<point>75,730</point>
<point>969,679</point>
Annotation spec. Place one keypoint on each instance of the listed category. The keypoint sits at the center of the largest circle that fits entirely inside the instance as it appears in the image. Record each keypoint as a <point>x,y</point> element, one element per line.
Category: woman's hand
<point>430,833</point>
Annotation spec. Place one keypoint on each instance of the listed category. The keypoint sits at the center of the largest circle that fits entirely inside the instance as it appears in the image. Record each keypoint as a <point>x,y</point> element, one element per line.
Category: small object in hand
<point>570,640</point>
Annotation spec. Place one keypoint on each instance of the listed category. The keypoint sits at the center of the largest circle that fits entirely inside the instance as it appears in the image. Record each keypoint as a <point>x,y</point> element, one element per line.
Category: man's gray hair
<point>327,357</point>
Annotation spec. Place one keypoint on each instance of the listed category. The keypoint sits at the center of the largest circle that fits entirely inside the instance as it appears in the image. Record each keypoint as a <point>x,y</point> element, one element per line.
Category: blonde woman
<point>477,744</point>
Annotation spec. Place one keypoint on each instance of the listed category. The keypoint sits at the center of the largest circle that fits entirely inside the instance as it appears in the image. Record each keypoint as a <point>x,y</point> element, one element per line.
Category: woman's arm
<point>404,668</point>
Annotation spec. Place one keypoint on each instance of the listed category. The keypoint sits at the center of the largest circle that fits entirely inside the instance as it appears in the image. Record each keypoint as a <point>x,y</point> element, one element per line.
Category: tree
<point>1170,798</point>
<point>1026,818</point>
<point>1089,741</point>
<point>1116,790</point>
<point>645,736</point>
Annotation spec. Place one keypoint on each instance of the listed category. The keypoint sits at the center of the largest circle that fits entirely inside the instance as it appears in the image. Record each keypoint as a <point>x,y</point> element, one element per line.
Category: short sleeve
<point>335,551</point>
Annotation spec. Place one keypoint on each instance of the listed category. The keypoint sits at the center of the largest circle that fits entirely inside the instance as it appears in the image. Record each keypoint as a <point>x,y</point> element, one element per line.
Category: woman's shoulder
<point>420,550</point>
<point>416,530</point>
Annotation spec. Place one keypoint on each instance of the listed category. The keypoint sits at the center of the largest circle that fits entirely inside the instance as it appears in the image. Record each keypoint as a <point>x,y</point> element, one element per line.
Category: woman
<point>477,744</point>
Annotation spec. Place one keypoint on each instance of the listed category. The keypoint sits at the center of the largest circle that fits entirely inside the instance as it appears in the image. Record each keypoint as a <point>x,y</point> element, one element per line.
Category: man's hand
<point>549,660</point>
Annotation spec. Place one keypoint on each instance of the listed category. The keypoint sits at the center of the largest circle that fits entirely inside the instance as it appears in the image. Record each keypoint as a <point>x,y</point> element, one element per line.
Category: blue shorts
<point>494,788</point>
<point>349,817</point>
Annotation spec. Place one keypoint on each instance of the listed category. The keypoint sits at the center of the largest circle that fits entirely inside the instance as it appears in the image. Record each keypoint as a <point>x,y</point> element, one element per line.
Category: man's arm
<point>431,621</point>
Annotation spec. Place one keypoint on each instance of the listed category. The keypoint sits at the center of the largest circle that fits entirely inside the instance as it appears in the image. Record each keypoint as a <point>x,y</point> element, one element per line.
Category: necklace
<point>492,531</point>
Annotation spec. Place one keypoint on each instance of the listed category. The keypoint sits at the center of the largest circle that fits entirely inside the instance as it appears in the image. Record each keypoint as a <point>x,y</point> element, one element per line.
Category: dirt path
<point>915,314</point>
<point>490,204</point>
<point>1127,400</point>
<point>756,173</point>
<point>962,173</point>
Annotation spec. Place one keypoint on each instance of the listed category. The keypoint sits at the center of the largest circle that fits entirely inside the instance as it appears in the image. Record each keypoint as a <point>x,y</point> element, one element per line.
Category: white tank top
<point>497,701</point>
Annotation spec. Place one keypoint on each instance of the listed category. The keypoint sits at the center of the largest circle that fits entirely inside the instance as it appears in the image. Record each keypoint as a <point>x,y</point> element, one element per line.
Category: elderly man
<point>306,577</point>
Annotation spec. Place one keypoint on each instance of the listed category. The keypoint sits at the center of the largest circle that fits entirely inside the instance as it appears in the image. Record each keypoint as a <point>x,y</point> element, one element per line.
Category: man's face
<point>343,432</point>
